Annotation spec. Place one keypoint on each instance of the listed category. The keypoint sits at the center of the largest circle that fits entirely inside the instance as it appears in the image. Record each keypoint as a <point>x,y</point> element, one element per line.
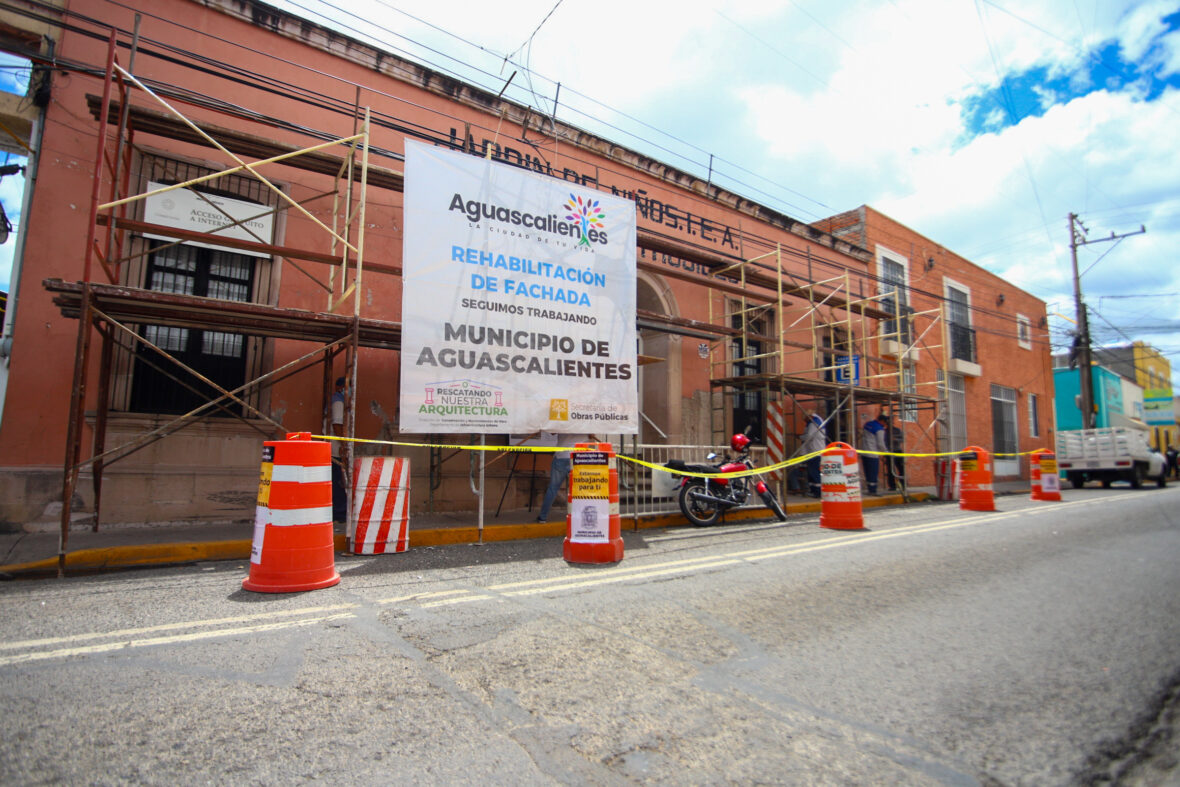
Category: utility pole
<point>1077,237</point>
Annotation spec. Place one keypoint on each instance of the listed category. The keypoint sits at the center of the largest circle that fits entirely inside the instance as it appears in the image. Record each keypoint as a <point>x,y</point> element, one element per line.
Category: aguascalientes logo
<point>587,215</point>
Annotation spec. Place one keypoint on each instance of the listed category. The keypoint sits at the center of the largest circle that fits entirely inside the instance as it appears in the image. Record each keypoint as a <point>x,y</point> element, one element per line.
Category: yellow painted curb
<point>192,552</point>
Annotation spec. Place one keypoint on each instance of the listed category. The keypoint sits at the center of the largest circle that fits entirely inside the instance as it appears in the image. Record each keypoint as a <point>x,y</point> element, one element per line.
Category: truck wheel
<point>1137,476</point>
<point>1076,480</point>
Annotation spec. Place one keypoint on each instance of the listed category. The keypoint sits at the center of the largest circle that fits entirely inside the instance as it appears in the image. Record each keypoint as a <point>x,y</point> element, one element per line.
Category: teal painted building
<point>1108,397</point>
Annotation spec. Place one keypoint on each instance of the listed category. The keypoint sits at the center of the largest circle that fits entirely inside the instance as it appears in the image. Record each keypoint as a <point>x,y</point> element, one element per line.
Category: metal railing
<point>644,491</point>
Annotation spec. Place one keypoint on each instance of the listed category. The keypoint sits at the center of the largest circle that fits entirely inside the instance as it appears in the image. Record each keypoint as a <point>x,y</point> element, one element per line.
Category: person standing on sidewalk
<point>814,439</point>
<point>894,466</point>
<point>559,470</point>
<point>339,497</point>
<point>872,438</point>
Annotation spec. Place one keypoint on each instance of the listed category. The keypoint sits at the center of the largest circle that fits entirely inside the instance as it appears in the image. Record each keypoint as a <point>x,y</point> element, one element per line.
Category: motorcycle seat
<point>680,464</point>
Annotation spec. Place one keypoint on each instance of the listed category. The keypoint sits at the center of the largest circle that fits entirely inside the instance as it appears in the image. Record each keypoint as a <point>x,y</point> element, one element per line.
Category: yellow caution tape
<point>541,449</point>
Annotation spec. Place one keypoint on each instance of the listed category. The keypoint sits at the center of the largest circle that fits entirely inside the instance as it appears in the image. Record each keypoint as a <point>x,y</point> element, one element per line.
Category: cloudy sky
<point>979,124</point>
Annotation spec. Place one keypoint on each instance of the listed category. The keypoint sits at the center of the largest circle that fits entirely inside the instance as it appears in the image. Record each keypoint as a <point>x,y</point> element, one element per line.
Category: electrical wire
<point>276,86</point>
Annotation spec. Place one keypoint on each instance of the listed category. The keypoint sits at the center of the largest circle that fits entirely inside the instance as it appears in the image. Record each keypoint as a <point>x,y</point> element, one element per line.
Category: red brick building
<point>739,307</point>
<point>994,365</point>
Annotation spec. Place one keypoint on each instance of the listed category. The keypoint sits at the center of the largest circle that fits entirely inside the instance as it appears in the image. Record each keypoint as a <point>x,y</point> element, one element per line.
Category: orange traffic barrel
<point>975,480</point>
<point>293,546</point>
<point>1045,483</point>
<point>839,471</point>
<point>592,522</point>
<point>380,521</point>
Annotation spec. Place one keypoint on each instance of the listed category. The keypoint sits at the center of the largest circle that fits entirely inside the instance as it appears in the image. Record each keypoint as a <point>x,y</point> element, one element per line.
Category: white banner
<point>185,210</point>
<point>518,301</point>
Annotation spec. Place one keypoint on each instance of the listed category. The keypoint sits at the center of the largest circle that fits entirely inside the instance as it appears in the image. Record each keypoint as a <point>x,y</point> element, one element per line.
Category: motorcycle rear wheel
<point>701,513</point>
<point>771,501</point>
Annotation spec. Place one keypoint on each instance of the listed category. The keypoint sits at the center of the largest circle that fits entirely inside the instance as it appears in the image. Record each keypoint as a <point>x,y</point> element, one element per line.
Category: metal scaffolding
<point>113,310</point>
<point>820,345</point>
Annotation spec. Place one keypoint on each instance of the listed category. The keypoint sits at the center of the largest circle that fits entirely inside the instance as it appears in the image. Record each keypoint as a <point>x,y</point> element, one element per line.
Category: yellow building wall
<point>1153,373</point>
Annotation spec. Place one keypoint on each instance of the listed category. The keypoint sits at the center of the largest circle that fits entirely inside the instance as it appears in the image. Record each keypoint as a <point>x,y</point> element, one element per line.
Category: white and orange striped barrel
<point>841,507</point>
<point>775,436</point>
<point>380,521</point>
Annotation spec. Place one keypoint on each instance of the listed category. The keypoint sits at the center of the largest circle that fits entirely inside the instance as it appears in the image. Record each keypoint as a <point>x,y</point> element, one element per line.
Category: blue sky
<point>14,78</point>
<point>979,123</point>
<point>1107,66</point>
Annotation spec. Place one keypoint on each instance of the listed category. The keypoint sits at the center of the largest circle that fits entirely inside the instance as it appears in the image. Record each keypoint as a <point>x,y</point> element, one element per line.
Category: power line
<point>211,67</point>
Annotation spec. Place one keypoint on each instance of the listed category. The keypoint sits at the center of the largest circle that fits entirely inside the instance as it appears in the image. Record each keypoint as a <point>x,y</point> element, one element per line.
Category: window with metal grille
<point>1004,437</point>
<point>953,415</point>
<point>909,385</point>
<point>747,358</point>
<point>162,387</point>
<point>143,380</point>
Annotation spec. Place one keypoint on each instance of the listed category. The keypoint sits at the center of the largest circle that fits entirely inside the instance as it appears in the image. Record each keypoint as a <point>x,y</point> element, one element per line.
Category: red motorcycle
<point>703,500</point>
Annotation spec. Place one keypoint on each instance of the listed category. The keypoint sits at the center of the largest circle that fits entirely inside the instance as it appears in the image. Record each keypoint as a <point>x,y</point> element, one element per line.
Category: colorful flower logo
<point>586,214</point>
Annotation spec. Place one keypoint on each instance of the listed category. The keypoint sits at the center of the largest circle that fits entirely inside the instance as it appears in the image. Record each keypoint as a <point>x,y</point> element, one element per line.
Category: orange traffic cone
<point>592,523</point>
<point>293,545</point>
<point>839,472</point>
<point>975,480</point>
<point>1045,483</point>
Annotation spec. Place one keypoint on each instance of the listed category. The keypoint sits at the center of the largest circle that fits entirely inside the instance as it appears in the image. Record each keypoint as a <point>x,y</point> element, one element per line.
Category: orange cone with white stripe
<point>293,544</point>
<point>380,521</point>
<point>839,472</point>
<point>1043,471</point>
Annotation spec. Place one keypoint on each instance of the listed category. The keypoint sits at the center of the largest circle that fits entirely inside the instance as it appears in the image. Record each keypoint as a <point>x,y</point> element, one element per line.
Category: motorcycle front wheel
<point>701,513</point>
<point>772,503</point>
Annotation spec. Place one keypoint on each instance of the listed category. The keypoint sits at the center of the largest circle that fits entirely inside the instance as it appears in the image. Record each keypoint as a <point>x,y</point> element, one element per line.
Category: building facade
<point>989,360</point>
<point>155,357</point>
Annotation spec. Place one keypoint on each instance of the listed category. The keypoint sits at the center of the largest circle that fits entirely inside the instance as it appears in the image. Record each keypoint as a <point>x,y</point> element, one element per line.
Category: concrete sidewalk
<point>33,554</point>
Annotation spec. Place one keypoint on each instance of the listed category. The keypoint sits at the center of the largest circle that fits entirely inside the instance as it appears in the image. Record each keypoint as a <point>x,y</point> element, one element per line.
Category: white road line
<point>124,634</point>
<point>106,647</point>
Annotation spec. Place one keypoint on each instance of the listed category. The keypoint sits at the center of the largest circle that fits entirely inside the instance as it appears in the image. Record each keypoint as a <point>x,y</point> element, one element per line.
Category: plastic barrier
<point>592,523</point>
<point>839,472</point>
<point>1045,483</point>
<point>380,516</point>
<point>975,480</point>
<point>775,436</point>
<point>293,547</point>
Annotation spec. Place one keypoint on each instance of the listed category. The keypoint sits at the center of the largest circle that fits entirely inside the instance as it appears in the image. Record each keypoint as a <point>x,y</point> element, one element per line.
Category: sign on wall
<point>186,210</point>
<point>518,301</point>
<point>1157,407</point>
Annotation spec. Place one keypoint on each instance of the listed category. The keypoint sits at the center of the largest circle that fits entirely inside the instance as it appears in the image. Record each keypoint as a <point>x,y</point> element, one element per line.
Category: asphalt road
<point>1036,645</point>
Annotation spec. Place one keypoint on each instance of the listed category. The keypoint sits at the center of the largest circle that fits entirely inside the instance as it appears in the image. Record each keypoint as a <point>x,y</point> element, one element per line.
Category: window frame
<point>886,285</point>
<point>1007,398</point>
<point>1024,331</point>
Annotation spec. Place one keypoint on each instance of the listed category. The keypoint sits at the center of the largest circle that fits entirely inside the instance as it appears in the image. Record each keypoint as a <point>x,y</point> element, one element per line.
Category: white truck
<point>1117,453</point>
